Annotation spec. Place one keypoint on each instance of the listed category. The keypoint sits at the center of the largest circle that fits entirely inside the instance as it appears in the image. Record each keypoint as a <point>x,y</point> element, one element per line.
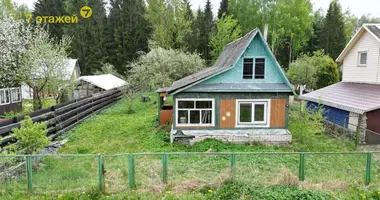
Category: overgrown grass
<point>113,132</point>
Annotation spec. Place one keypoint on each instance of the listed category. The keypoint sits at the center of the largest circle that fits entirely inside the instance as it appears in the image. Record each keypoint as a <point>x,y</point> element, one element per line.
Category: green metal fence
<point>120,172</point>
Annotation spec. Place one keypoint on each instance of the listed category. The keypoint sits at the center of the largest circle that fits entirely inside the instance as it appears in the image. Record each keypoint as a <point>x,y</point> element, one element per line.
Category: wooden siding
<point>227,106</point>
<point>278,113</point>
<point>369,73</point>
<point>373,119</point>
<point>235,75</point>
<point>12,107</point>
<point>165,116</point>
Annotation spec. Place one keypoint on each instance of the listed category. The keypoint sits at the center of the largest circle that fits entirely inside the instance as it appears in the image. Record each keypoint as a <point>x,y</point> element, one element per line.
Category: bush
<point>31,136</point>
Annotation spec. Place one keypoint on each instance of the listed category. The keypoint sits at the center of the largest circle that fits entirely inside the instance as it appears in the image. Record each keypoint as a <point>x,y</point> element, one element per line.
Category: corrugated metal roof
<point>240,87</point>
<point>227,58</point>
<point>375,29</point>
<point>106,81</point>
<point>353,97</point>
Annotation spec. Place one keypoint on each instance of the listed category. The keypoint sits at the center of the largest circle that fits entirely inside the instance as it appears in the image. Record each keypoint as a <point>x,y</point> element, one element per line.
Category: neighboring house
<point>356,100</point>
<point>243,98</point>
<point>72,67</point>
<point>10,100</point>
<point>88,85</point>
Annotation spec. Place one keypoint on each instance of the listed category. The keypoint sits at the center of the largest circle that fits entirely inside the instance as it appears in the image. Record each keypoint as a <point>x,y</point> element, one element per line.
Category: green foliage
<point>125,40</point>
<point>315,38</point>
<point>160,67</point>
<point>51,8</point>
<point>227,31</point>
<point>290,23</point>
<point>315,71</point>
<point>333,36</point>
<point>31,136</point>
<point>88,36</point>
<point>223,8</point>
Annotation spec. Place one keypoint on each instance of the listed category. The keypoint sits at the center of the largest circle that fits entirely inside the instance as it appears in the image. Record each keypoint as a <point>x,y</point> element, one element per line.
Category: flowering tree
<point>44,66</point>
<point>14,36</point>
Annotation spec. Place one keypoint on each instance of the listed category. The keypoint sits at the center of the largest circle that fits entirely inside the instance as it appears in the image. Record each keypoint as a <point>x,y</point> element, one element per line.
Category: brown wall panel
<point>227,105</point>
<point>278,113</point>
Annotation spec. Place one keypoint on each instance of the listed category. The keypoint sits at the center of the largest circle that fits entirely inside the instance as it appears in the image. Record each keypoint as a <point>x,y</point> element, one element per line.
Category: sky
<point>357,7</point>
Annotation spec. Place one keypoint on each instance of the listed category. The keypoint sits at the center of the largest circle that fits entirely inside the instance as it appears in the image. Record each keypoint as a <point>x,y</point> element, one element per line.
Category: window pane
<point>2,97</point>
<point>206,117</point>
<point>259,112</point>
<point>245,112</point>
<point>204,104</point>
<point>7,97</point>
<point>363,58</point>
<point>248,68</point>
<point>259,68</point>
<point>195,117</point>
<point>182,117</point>
<point>185,104</point>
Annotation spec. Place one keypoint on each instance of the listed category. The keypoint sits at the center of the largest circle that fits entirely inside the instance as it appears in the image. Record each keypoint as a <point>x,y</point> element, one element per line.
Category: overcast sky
<point>358,7</point>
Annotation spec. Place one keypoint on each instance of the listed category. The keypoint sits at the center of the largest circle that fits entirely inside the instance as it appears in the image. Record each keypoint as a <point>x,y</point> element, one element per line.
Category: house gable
<point>256,49</point>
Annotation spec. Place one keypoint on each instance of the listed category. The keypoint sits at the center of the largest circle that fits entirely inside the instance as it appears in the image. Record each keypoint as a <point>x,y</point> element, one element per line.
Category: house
<point>354,103</point>
<point>88,85</point>
<point>10,100</point>
<point>242,98</point>
<point>72,68</point>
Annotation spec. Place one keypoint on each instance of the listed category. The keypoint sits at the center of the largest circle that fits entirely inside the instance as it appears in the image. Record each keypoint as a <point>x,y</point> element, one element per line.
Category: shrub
<point>31,136</point>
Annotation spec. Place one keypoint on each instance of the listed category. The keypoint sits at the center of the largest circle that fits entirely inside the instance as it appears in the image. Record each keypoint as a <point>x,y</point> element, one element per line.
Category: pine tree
<point>128,32</point>
<point>196,31</point>
<point>223,8</point>
<point>51,8</point>
<point>333,36</point>
<point>88,36</point>
<point>206,32</point>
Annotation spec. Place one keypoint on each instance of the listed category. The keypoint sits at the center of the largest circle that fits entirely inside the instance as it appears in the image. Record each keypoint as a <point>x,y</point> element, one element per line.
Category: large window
<point>16,95</point>
<point>252,113</point>
<point>362,61</point>
<point>195,112</point>
<point>256,72</point>
<point>4,96</point>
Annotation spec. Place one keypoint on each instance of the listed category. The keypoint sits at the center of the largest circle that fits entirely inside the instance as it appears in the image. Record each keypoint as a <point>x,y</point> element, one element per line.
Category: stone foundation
<point>238,136</point>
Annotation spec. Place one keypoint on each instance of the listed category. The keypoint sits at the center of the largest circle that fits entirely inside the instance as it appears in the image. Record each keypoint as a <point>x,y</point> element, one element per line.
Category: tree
<point>43,65</point>
<point>14,37</point>
<point>160,67</point>
<point>88,36</point>
<point>333,36</point>
<point>223,9</point>
<point>315,71</point>
<point>205,33</point>
<point>31,136</point>
<point>128,32</point>
<point>51,8</point>
<point>314,42</point>
<point>228,30</point>
<point>196,27</point>
<point>8,7</point>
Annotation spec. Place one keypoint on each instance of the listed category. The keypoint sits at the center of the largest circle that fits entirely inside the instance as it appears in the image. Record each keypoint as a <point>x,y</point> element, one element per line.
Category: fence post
<point>131,171</point>
<point>368,168</point>
<point>301,175</point>
<point>29,171</point>
<point>233,166</point>
<point>165,168</point>
<point>101,173</point>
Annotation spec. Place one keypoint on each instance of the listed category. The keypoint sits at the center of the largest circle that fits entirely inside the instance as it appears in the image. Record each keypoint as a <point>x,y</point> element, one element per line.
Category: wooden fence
<point>61,117</point>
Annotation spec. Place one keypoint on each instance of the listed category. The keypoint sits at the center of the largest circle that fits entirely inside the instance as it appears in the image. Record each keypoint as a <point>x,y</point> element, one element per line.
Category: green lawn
<point>189,176</point>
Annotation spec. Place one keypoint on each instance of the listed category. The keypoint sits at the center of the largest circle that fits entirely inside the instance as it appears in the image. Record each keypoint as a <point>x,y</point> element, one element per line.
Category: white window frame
<point>265,123</point>
<point>9,96</point>
<point>359,58</point>
<point>254,68</point>
<point>19,94</point>
<point>200,109</point>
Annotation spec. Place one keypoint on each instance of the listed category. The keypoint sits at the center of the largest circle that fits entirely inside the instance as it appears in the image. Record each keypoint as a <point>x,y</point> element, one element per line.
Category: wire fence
<point>186,171</point>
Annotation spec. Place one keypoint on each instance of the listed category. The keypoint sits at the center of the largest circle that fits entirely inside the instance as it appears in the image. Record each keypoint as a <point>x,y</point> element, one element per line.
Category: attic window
<point>259,68</point>
<point>362,61</point>
<point>248,68</point>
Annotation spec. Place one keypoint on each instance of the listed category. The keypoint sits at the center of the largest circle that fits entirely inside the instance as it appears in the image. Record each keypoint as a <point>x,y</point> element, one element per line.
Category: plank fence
<point>61,117</point>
